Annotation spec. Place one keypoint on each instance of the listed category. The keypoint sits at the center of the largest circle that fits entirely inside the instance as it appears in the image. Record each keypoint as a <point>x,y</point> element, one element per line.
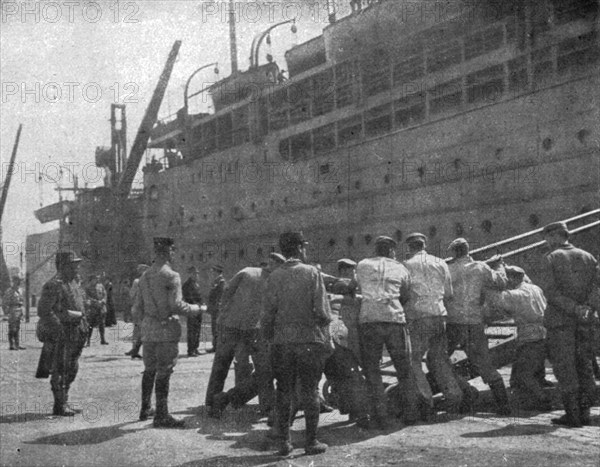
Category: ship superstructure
<point>480,121</point>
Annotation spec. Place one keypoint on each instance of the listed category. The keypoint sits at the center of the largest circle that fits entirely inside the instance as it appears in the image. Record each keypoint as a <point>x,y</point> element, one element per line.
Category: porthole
<point>547,144</point>
<point>331,242</point>
<point>534,220</point>
<point>368,239</point>
<point>459,229</point>
<point>583,135</point>
<point>386,179</point>
<point>486,226</point>
<point>432,231</point>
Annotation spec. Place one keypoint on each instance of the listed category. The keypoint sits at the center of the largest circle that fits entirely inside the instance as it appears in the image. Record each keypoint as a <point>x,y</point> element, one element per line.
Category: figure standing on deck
<point>63,328</point>
<point>157,306</point>
<point>568,281</point>
<point>12,303</point>
<point>136,335</point>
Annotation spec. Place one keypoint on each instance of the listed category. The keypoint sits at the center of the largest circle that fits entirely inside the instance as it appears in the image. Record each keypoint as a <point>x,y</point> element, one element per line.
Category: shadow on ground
<point>513,430</point>
<point>85,437</point>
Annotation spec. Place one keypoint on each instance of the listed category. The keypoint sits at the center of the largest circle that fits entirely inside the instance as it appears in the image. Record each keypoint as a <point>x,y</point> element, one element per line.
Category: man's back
<point>430,284</point>
<point>296,308</point>
<point>242,301</point>
<point>568,280</point>
<point>469,280</point>
<point>382,282</point>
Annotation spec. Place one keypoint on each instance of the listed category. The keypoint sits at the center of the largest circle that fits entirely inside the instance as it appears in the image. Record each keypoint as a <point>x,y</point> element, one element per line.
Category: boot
<point>16,341</point>
<point>60,404</point>
<point>572,417</point>
<point>11,341</point>
<point>501,398</point>
<point>220,401</point>
<point>102,339</point>
<point>470,396</point>
<point>312,445</point>
<point>147,389</point>
<point>89,337</point>
<point>162,419</point>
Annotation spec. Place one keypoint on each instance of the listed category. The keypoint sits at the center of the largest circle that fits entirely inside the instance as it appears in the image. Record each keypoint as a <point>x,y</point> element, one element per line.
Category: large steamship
<point>480,121</point>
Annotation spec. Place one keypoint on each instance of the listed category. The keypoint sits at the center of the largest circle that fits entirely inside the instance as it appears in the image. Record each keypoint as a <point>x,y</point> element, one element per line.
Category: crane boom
<point>143,134</point>
<point>11,167</point>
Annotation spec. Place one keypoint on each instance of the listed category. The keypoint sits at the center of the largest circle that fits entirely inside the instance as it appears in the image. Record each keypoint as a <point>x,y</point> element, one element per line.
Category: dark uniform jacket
<point>214,296</point>
<point>568,280</point>
<point>57,298</point>
<point>296,306</point>
<point>191,291</point>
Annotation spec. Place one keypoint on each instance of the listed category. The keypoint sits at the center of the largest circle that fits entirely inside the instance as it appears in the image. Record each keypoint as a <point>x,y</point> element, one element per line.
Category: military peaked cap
<point>163,242</point>
<point>277,257</point>
<point>386,240</point>
<point>416,238</point>
<point>66,257</point>
<point>514,271</point>
<point>556,227</point>
<point>458,242</point>
<point>291,239</point>
<point>346,263</point>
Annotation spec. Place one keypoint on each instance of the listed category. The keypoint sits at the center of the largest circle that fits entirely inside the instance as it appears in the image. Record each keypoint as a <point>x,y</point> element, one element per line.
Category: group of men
<point>280,313</point>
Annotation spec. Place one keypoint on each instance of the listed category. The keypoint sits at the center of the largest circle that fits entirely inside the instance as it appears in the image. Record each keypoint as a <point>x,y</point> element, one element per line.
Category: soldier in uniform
<point>466,329</point>
<point>13,307</point>
<point>296,320</point>
<point>568,281</point>
<point>96,295</point>
<point>214,300</point>
<point>431,288</point>
<point>158,305</point>
<point>191,294</point>
<point>63,326</point>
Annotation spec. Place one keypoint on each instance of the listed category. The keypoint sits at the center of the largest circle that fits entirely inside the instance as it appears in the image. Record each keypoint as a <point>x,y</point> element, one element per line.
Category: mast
<point>232,38</point>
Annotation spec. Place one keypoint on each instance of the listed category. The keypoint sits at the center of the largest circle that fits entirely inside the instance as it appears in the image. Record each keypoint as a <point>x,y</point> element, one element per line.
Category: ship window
<point>518,79</point>
<point>350,130</point>
<point>225,126</point>
<point>566,11</point>
<point>376,73</point>
<point>278,110</point>
<point>432,231</point>
<point>284,149</point>
<point>445,96</point>
<point>368,239</point>
<point>299,99</point>
<point>209,136</point>
<point>486,85</point>
<point>442,55</point>
<point>459,229</point>
<point>301,147</point>
<point>483,42</point>
<point>323,93</point>
<point>344,84</point>
<point>578,53</point>
<point>324,139</point>
<point>378,120</point>
<point>542,66</point>
<point>409,110</point>
<point>409,67</point>
<point>241,128</point>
